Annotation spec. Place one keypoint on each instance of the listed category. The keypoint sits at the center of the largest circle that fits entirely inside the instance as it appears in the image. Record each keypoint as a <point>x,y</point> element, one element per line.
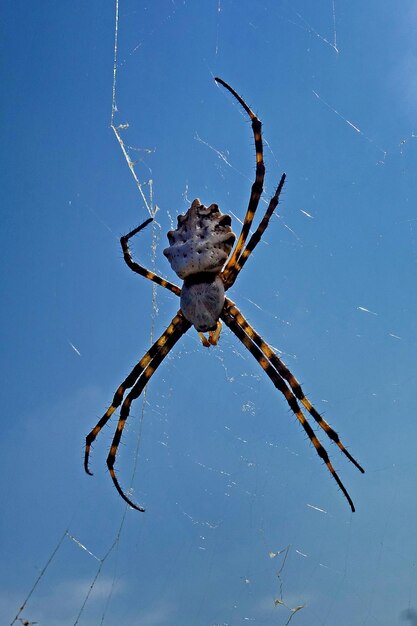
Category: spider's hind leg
<point>257,186</point>
<point>139,269</point>
<point>230,276</point>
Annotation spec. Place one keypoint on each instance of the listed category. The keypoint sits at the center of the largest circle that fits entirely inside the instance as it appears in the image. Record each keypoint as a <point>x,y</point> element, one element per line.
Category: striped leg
<point>135,267</point>
<point>177,327</point>
<point>280,384</point>
<point>182,326</point>
<point>257,186</point>
<point>128,383</point>
<point>285,373</point>
<point>256,237</point>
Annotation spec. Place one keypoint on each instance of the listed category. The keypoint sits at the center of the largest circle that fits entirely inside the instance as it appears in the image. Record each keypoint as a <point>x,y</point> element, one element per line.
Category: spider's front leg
<point>287,384</point>
<point>137,380</point>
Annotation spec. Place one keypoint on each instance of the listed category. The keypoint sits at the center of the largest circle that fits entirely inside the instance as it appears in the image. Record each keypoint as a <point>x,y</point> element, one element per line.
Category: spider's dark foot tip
<point>135,506</point>
<point>349,499</point>
<point>87,469</point>
<point>222,82</point>
<point>125,238</point>
<point>86,460</point>
<point>356,464</point>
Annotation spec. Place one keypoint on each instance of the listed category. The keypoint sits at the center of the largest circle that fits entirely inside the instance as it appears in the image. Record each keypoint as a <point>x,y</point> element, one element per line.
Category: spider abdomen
<point>202,300</point>
<point>201,242</point>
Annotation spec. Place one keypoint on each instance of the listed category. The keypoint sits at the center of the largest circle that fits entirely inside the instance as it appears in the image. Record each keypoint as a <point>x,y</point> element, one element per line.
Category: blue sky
<point>223,469</point>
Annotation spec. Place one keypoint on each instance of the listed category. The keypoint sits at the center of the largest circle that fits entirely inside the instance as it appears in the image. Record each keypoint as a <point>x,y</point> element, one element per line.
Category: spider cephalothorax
<point>199,252</point>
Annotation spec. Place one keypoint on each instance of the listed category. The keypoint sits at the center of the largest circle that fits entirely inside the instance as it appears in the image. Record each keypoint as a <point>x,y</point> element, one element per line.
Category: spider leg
<point>280,384</point>
<point>139,269</point>
<point>256,237</point>
<point>179,329</point>
<point>257,186</point>
<point>285,373</point>
<point>177,323</point>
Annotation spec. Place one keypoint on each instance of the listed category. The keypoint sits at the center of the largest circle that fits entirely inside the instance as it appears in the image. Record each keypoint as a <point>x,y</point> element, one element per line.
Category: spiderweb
<point>242,523</point>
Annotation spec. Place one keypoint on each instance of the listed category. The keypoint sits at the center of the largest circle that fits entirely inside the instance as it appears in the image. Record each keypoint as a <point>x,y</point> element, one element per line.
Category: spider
<point>200,253</point>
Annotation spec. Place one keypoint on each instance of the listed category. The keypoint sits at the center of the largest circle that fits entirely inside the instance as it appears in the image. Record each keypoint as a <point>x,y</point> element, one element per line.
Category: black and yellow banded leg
<point>283,370</point>
<point>257,186</point>
<point>181,327</point>
<point>135,267</point>
<point>256,237</point>
<point>177,323</point>
<point>280,384</point>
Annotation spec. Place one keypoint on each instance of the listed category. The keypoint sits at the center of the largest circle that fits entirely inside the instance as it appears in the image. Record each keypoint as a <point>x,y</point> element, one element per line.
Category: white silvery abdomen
<point>197,252</point>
